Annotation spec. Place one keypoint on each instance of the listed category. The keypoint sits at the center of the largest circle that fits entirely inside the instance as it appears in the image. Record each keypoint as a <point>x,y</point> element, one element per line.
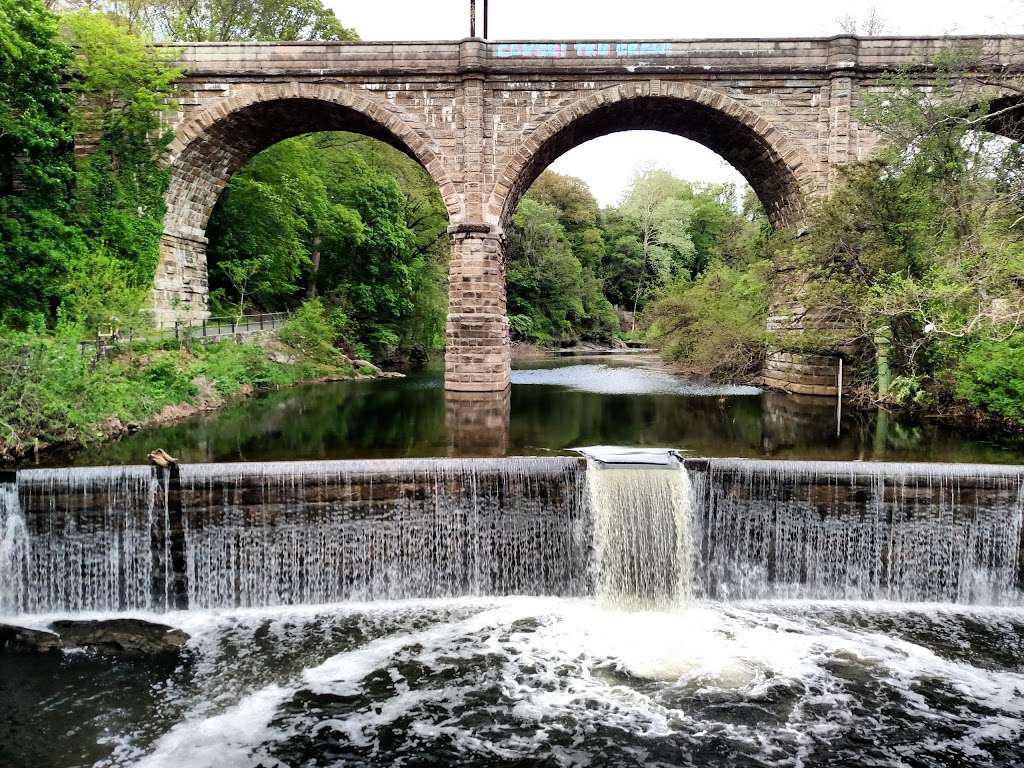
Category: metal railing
<point>213,328</point>
<point>205,331</point>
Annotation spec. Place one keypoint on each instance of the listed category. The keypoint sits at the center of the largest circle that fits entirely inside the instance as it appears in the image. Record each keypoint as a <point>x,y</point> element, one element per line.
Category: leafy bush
<point>53,392</point>
<point>229,366</point>
<point>521,326</point>
<point>316,333</point>
<point>714,326</point>
<point>991,376</point>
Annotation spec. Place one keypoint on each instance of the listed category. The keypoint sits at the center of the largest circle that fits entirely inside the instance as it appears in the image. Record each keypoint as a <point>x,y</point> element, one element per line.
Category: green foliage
<point>223,20</point>
<point>191,21</point>
<point>79,240</point>
<point>327,216</point>
<point>659,207</point>
<point>991,376</point>
<point>51,392</point>
<point>570,263</point>
<point>551,296</point>
<point>229,367</point>
<point>920,250</point>
<point>36,171</point>
<point>123,87</point>
<point>317,333</point>
<point>715,325</point>
<point>555,253</point>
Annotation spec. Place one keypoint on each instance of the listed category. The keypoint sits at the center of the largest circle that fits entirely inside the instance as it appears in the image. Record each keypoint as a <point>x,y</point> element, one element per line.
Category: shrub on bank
<point>715,325</point>
<point>991,377</point>
<point>52,392</point>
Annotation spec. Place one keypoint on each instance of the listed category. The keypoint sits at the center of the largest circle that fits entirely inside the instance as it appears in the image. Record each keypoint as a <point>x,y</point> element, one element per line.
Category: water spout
<point>642,535</point>
<point>14,549</point>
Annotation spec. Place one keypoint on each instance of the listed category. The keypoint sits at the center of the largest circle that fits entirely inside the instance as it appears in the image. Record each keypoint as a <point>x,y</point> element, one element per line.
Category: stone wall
<point>484,119</point>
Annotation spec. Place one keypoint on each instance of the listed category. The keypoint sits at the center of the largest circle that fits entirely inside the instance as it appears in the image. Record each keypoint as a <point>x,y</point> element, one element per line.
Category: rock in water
<point>120,636</point>
<point>362,366</point>
<point>24,640</point>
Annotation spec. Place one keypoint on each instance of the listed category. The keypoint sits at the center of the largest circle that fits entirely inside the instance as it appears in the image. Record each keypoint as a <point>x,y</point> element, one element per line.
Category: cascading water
<point>643,552</point>
<point>241,535</point>
<point>90,539</point>
<point>872,531</point>
<point>14,550</point>
<point>248,535</point>
<point>499,676</point>
<point>291,533</point>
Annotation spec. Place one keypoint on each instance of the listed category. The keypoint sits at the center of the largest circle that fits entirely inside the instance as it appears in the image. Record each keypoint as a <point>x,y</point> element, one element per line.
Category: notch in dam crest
<point>241,535</point>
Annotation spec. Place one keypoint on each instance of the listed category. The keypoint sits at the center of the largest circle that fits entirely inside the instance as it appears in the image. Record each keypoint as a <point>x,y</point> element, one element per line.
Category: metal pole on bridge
<point>485,19</point>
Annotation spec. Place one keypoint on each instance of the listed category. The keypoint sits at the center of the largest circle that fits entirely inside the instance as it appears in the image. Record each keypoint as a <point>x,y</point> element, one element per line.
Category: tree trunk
<point>311,286</point>
<point>883,350</point>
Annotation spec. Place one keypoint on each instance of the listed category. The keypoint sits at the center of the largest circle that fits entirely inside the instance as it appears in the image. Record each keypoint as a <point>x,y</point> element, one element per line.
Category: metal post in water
<point>839,399</point>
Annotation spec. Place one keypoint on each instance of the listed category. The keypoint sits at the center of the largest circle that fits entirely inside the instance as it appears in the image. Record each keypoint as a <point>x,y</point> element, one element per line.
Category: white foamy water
<point>14,550</point>
<point>614,380</point>
<point>568,682</point>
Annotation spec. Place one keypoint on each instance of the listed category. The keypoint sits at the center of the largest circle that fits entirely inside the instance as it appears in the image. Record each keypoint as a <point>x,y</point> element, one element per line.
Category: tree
<point>201,20</point>
<point>660,208</point>
<point>123,86</point>
<point>328,217</point>
<point>922,247</point>
<point>196,21</point>
<point>36,171</point>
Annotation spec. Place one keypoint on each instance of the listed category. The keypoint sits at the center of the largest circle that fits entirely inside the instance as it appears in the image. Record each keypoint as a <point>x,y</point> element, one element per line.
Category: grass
<point>50,393</point>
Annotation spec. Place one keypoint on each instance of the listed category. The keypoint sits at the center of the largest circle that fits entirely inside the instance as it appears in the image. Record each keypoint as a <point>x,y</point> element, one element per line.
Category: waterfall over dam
<point>240,535</point>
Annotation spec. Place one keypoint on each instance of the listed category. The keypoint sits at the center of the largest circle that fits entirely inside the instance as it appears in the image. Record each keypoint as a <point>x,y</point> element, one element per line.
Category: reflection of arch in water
<point>775,165</point>
<point>213,145</point>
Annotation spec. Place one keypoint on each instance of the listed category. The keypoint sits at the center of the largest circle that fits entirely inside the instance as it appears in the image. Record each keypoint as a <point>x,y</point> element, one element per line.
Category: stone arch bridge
<point>485,119</point>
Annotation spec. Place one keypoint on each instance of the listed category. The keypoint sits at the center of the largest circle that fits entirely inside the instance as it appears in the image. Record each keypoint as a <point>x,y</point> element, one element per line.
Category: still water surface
<point>554,404</point>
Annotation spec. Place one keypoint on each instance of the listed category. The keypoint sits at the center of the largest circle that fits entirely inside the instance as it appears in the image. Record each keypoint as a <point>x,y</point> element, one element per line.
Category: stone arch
<point>776,166</point>
<point>210,146</point>
<point>1007,110</point>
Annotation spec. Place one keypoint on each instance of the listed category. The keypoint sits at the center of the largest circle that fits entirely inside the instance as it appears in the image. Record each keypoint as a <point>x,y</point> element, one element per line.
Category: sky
<point>609,163</point>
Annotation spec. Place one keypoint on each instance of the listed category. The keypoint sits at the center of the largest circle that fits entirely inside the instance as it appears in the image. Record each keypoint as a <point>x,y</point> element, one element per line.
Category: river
<point>554,404</point>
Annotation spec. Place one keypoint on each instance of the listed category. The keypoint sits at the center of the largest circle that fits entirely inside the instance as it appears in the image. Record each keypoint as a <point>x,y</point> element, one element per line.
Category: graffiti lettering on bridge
<point>562,50</point>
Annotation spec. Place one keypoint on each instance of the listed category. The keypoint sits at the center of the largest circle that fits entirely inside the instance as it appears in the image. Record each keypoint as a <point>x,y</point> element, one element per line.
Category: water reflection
<point>609,400</point>
<point>477,423</point>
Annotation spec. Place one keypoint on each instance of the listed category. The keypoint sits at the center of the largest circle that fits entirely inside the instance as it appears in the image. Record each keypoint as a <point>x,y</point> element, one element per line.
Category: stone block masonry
<point>485,119</point>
